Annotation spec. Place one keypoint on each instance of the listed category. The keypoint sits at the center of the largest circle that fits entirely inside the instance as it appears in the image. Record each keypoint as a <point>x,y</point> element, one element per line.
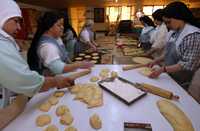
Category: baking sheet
<point>122,89</point>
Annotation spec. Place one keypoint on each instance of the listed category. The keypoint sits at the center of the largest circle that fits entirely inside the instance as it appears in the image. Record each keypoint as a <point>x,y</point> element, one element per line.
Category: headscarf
<point>8,9</point>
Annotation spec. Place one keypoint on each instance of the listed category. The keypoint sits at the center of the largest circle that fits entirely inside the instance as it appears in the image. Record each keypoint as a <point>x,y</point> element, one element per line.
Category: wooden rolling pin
<point>130,67</point>
<point>80,74</point>
<point>158,91</point>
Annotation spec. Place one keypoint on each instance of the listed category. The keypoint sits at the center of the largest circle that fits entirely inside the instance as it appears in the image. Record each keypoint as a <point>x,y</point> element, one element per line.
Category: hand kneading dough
<point>146,71</point>
<point>66,119</point>
<point>51,128</point>
<point>45,107</point>
<point>43,120</point>
<point>53,100</point>
<point>59,93</point>
<point>71,128</point>
<point>175,116</point>
<point>95,121</point>
<point>61,110</point>
<point>94,79</point>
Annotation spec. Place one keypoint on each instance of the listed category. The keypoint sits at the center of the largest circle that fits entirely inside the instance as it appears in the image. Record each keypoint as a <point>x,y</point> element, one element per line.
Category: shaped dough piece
<point>71,128</point>
<point>177,118</point>
<point>106,70</point>
<point>66,119</point>
<point>78,58</point>
<point>51,128</point>
<point>75,89</point>
<point>114,74</point>
<point>93,61</point>
<point>94,79</point>
<point>87,56</point>
<point>95,54</point>
<point>146,71</point>
<point>61,110</point>
<point>53,100</point>
<point>104,73</point>
<point>59,94</point>
<point>95,57</point>
<point>81,54</point>
<point>45,107</point>
<point>95,121</point>
<point>43,120</point>
<point>142,60</point>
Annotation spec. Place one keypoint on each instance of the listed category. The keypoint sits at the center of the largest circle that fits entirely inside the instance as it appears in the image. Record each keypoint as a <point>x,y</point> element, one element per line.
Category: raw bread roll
<point>71,128</point>
<point>94,79</point>
<point>59,93</point>
<point>78,58</point>
<point>51,128</point>
<point>45,107</point>
<point>114,74</point>
<point>53,100</point>
<point>43,120</point>
<point>87,56</point>
<point>61,110</point>
<point>95,54</point>
<point>174,115</point>
<point>95,121</point>
<point>66,119</point>
<point>81,54</point>
<point>94,61</point>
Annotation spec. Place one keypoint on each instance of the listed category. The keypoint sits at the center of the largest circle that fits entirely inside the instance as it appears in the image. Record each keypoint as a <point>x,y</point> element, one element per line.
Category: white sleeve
<point>160,37</point>
<point>84,36</point>
<point>48,53</point>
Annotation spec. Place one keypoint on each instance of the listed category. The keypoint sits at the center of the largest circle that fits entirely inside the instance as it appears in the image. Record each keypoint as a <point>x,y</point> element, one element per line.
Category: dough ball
<point>53,100</point>
<point>71,128</point>
<point>51,128</point>
<point>94,79</point>
<point>66,119</point>
<point>45,107</point>
<point>95,121</point>
<point>59,93</point>
<point>61,110</point>
<point>43,120</point>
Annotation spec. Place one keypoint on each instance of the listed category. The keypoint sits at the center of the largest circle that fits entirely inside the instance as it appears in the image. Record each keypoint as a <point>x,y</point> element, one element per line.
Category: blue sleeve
<point>15,74</point>
<point>56,66</point>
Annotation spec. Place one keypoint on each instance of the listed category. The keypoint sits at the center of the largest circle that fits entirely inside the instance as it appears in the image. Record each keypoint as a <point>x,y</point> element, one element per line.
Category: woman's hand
<point>63,82</point>
<point>156,72</point>
<point>85,64</point>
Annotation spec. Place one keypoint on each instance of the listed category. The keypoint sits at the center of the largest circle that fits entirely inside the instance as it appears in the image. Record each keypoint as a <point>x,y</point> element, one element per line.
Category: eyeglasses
<point>18,20</point>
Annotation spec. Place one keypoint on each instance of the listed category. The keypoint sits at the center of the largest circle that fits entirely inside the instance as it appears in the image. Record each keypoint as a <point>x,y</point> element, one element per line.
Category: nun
<point>16,79</point>
<point>182,52</point>
<point>47,54</point>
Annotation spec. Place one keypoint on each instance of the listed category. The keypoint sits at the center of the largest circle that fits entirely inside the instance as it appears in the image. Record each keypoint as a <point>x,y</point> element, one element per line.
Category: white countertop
<point>113,113</point>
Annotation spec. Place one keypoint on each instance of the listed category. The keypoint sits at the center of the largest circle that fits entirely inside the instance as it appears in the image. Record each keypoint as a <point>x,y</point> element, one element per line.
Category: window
<point>120,13</point>
<point>148,10</point>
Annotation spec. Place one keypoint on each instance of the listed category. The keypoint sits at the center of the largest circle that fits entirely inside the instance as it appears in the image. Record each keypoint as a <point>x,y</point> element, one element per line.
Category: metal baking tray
<point>122,89</point>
